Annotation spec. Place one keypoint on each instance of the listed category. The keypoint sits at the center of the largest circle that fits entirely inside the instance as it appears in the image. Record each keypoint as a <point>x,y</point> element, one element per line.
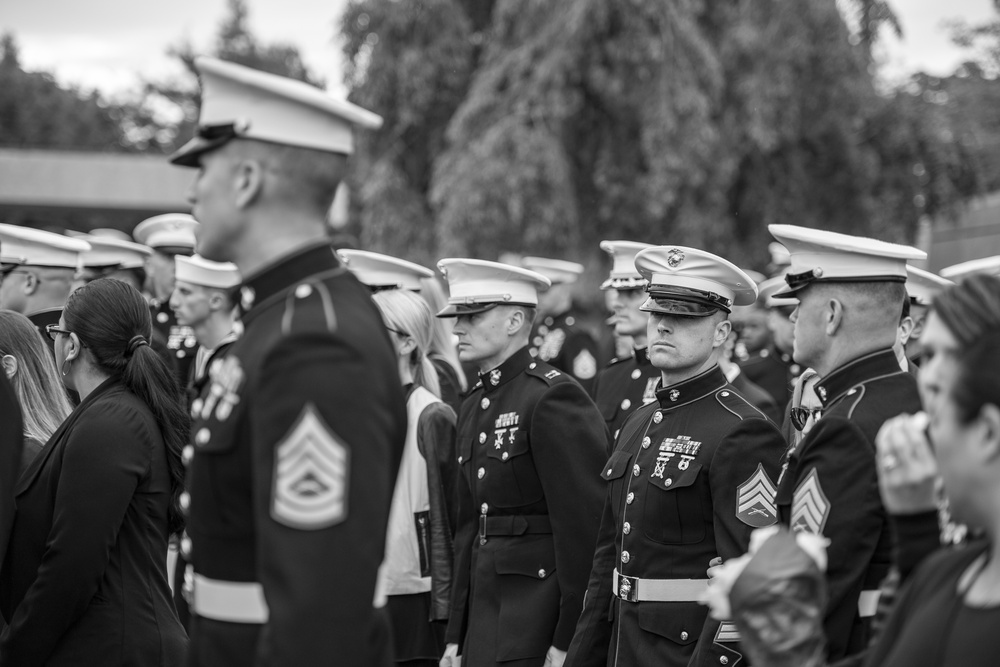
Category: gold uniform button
<point>608,472</point>
<point>302,291</point>
<point>542,573</point>
<point>485,403</point>
<point>203,436</point>
<point>625,557</point>
<point>684,635</point>
<point>187,454</point>
<point>668,482</point>
<point>482,437</point>
<point>629,498</point>
<point>504,456</point>
<point>657,417</point>
<point>636,374</point>
<point>484,508</point>
<point>627,528</point>
<point>725,393</point>
<point>626,404</point>
<point>645,442</point>
<point>162,317</point>
<point>532,365</point>
<point>186,547</point>
<point>481,473</point>
<point>636,470</point>
<point>459,459</point>
<point>196,406</point>
<point>185,501</point>
<point>723,660</point>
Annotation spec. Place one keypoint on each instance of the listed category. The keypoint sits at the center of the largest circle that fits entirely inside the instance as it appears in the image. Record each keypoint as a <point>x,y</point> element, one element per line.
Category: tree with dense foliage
<point>543,127</point>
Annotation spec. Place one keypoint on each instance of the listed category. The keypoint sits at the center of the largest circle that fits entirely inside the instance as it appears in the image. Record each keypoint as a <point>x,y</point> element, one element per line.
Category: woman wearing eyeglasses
<point>28,365</point>
<point>416,573</point>
<point>84,580</point>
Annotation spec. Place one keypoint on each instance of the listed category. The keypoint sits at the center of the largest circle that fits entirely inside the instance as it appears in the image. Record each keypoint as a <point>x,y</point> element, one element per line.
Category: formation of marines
<point>589,503</point>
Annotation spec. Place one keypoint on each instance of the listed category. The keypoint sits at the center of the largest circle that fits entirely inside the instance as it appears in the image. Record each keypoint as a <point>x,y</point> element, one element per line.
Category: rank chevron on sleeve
<point>755,500</point>
<point>810,506</point>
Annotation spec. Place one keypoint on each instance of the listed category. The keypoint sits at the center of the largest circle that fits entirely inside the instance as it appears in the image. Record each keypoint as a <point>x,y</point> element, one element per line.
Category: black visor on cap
<point>683,301</point>
<point>669,306</point>
<point>459,309</point>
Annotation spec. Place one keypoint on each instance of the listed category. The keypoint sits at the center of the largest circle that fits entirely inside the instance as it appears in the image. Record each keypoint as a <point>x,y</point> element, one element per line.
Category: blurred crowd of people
<point>227,442</point>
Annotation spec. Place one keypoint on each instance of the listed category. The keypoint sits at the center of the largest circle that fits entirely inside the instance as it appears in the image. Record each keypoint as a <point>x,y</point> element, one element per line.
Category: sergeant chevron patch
<point>810,506</point>
<point>755,504</point>
<point>310,475</point>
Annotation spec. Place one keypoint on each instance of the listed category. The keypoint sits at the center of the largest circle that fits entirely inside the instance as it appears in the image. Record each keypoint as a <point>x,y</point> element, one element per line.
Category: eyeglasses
<point>53,329</point>
<point>398,332</point>
<point>800,416</point>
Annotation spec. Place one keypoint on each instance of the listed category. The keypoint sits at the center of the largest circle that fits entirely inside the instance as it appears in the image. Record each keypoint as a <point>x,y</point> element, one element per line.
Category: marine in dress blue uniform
<point>829,482</point>
<point>168,236</point>
<point>691,476</point>
<point>772,368</point>
<point>297,443</point>
<point>530,447</point>
<point>38,269</point>
<point>629,381</point>
<point>558,337</point>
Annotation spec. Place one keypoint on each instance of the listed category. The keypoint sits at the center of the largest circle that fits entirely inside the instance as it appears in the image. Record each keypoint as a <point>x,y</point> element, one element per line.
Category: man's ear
<point>834,315</point>
<point>722,331</point>
<point>248,181</point>
<point>31,283</point>
<point>515,321</point>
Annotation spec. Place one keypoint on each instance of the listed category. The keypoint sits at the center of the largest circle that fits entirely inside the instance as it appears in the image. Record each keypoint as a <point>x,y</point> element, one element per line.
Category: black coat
<point>623,386</point>
<point>11,447</point>
<point>830,486</point>
<point>295,453</point>
<point>773,371</point>
<point>530,447</point>
<point>690,478</point>
<point>84,581</point>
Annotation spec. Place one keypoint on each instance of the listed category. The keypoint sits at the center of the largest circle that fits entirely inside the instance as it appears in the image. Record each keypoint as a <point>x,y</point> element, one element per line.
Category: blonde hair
<point>442,343</point>
<point>40,391</point>
<point>406,312</point>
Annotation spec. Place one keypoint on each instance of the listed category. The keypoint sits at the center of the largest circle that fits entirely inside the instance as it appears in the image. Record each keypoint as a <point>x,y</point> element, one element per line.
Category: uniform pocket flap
<point>537,561</point>
<point>616,465</point>
<point>679,622</point>
<point>506,443</point>
<point>673,478</point>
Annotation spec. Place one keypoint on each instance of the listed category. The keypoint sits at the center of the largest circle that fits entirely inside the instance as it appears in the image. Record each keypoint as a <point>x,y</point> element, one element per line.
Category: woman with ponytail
<point>84,581</point>
<point>416,573</point>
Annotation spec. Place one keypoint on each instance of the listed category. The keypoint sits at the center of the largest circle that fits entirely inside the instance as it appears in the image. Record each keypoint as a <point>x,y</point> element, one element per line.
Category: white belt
<point>633,589</point>
<point>231,601</point>
<point>868,603</point>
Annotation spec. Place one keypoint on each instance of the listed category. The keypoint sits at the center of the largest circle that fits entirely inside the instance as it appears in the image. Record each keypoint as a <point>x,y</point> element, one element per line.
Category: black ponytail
<point>113,321</point>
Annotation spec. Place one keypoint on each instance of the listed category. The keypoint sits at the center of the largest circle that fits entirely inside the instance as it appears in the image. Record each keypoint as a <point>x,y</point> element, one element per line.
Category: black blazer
<point>84,581</point>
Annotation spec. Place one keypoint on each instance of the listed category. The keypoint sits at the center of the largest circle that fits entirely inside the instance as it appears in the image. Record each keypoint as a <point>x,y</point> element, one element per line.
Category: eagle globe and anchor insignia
<point>310,475</point>
<point>674,258</point>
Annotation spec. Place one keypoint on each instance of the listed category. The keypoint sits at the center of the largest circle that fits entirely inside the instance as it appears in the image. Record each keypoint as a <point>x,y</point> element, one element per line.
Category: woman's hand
<point>907,470</point>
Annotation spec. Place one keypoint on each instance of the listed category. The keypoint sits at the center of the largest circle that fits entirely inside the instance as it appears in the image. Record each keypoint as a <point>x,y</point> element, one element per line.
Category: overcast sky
<point>105,44</point>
